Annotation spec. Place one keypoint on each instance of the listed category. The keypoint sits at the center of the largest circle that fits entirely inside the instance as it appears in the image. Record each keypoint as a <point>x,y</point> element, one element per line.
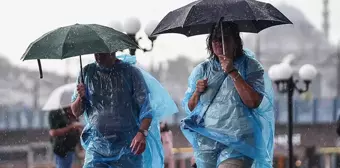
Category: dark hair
<point>229,29</point>
<point>194,165</point>
<point>111,54</point>
<point>165,128</point>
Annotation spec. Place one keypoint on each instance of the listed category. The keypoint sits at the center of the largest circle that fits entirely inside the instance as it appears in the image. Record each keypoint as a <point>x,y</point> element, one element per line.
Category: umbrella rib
<point>35,41</point>
<point>185,21</point>
<point>255,20</point>
<point>251,10</point>
<point>108,49</point>
<point>62,47</point>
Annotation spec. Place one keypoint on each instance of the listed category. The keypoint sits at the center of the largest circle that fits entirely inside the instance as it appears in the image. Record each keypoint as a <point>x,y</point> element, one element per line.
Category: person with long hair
<point>228,96</point>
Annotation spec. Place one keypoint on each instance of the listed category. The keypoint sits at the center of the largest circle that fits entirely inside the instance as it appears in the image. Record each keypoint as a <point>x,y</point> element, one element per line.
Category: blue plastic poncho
<point>118,99</point>
<point>221,126</point>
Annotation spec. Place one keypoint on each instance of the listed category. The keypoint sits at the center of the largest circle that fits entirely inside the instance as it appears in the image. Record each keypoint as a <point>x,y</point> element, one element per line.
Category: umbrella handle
<point>40,69</point>
<point>81,70</point>
<point>82,76</point>
<point>222,35</point>
<point>82,80</point>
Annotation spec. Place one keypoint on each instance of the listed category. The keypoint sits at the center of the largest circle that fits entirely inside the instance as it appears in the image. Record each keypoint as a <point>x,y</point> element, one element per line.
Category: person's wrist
<point>235,75</point>
<point>142,135</point>
<point>71,128</point>
<point>231,71</point>
<point>143,132</point>
<point>197,93</point>
<point>79,99</point>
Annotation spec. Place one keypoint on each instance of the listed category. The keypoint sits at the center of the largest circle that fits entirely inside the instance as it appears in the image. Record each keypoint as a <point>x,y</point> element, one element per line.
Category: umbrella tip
<point>40,69</point>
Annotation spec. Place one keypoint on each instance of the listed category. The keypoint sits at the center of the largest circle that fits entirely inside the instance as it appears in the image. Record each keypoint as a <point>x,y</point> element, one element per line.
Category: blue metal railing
<point>309,112</point>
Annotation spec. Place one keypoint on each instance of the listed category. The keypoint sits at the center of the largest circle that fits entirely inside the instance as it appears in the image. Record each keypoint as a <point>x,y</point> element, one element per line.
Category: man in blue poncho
<point>115,101</point>
<point>230,105</point>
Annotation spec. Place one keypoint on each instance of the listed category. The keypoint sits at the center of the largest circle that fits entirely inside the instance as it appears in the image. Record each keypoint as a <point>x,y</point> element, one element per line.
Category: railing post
<point>335,109</point>
<point>277,110</point>
<point>50,154</point>
<point>30,157</point>
<point>315,109</point>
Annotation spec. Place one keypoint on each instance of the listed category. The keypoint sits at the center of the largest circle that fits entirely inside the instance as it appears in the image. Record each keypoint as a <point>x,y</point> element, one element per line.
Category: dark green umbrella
<point>77,40</point>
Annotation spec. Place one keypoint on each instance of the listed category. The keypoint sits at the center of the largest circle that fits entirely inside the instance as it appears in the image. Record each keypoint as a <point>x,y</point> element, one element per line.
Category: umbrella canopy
<point>77,40</point>
<point>200,16</point>
<point>60,97</point>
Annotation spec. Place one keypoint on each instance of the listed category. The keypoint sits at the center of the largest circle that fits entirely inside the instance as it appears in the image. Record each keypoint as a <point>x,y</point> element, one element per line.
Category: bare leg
<point>171,163</point>
<point>234,163</point>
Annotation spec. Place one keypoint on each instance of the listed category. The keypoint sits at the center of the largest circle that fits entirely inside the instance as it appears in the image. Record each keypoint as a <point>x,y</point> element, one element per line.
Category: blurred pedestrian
<point>115,101</point>
<point>167,141</point>
<point>65,134</point>
<point>193,163</point>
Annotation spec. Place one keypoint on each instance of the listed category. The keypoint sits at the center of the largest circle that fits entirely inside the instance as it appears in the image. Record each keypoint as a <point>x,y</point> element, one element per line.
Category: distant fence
<point>314,111</point>
<point>33,155</point>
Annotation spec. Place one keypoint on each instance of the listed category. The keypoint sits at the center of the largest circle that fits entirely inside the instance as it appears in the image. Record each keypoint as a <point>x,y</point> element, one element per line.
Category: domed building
<point>308,44</point>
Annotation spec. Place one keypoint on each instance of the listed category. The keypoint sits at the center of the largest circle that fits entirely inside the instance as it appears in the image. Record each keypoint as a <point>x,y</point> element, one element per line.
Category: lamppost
<point>282,75</point>
<point>132,26</point>
<point>148,31</point>
<point>149,28</point>
<point>338,70</point>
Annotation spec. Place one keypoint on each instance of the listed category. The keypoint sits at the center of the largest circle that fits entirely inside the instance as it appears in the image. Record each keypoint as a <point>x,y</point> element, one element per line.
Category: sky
<point>24,21</point>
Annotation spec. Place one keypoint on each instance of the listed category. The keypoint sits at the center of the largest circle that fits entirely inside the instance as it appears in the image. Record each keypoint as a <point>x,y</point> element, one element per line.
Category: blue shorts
<point>64,162</point>
<point>210,153</point>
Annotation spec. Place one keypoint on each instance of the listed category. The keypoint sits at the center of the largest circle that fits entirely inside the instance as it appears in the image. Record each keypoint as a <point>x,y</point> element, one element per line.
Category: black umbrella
<point>199,17</point>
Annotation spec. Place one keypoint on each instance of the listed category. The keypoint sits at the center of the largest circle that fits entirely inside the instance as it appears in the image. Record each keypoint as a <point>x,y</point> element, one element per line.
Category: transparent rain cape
<point>260,121</point>
<point>112,120</point>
